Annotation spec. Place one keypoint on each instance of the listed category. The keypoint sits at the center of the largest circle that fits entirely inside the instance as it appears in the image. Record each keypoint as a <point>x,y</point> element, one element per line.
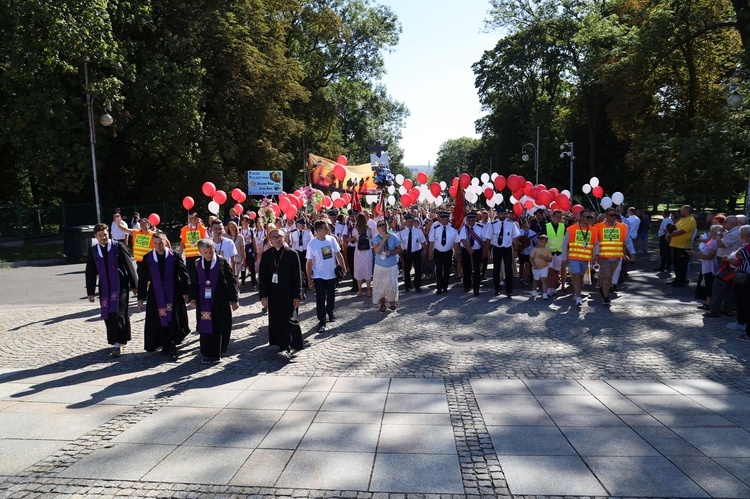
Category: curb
<point>33,263</point>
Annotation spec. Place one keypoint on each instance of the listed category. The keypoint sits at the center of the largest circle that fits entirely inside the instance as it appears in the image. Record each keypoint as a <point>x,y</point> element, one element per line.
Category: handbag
<point>726,273</point>
<point>339,272</point>
<point>739,277</point>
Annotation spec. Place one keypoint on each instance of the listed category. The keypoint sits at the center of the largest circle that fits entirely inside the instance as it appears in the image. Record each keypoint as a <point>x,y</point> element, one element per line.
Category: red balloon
<point>188,202</point>
<point>276,210</point>
<point>527,188</point>
<point>565,205</point>
<point>518,208</point>
<point>318,207</point>
<point>554,191</point>
<point>238,209</point>
<point>435,189</point>
<point>500,183</point>
<point>576,209</point>
<point>453,190</point>
<point>422,177</point>
<point>489,192</point>
<point>209,188</point>
<point>465,180</point>
<point>554,206</point>
<point>284,204</point>
<point>454,182</point>
<point>544,198</point>
<point>541,187</point>
<point>154,219</point>
<point>327,201</point>
<point>342,160</point>
<point>534,192</point>
<point>346,197</point>
<point>513,182</point>
<point>529,204</point>
<point>339,172</point>
<point>406,200</point>
<point>291,212</point>
<point>518,193</point>
<point>521,181</point>
<point>220,197</point>
<point>561,198</point>
<point>253,215</point>
<point>598,191</point>
<point>338,203</point>
<point>408,184</point>
<point>237,195</point>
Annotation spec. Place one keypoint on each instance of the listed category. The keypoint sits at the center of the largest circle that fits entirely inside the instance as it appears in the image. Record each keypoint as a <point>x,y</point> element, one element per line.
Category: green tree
<point>456,155</point>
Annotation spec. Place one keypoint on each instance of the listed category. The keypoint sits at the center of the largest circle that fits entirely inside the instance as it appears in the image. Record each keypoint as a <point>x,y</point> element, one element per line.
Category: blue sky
<point>430,71</point>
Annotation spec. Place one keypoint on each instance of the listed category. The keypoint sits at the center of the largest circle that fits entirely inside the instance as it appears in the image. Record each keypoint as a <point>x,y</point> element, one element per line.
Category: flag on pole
<point>459,210</point>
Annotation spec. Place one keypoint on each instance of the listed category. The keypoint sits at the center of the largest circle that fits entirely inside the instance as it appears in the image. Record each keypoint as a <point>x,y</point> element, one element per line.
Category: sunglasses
<point>589,216</point>
<point>381,225</point>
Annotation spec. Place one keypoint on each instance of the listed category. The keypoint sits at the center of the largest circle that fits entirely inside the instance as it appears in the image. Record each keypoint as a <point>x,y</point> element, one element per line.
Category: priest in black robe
<point>213,291</point>
<point>279,284</point>
<point>109,262</point>
<point>163,281</point>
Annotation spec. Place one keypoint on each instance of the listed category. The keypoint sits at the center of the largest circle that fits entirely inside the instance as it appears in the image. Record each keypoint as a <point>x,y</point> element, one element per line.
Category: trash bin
<point>77,240</point>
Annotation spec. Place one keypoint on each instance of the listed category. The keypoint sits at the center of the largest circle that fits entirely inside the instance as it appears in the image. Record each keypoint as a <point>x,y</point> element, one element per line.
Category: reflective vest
<point>611,239</point>
<point>581,243</point>
<point>190,238</point>
<point>143,242</point>
<point>555,239</point>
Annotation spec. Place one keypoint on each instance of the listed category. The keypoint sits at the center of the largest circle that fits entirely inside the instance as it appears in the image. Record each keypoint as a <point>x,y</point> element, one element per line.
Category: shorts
<point>540,273</point>
<point>556,262</point>
<point>578,266</point>
<point>523,258</point>
<point>607,267</point>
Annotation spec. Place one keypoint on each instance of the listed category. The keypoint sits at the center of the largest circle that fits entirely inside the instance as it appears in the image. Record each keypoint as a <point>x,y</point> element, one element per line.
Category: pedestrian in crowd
<point>442,238</point>
<point>665,254</point>
<point>298,241</point>
<point>109,263</point>
<point>387,247</point>
<point>134,222</point>
<point>500,236</point>
<point>142,240</point>
<point>280,282</point>
<point>247,231</point>
<point>119,229</point>
<point>238,261</point>
<point>709,262</point>
<point>611,236</point>
<point>578,251</point>
<point>541,259</point>
<point>350,246</point>
<point>472,249</point>
<point>681,240</point>
<point>428,263</point>
<point>224,246</point>
<point>524,245</point>
<point>164,282</point>
<point>644,229</point>
<point>323,254</point>
<point>190,234</point>
<point>363,261</point>
<point>412,240</point>
<point>213,292</point>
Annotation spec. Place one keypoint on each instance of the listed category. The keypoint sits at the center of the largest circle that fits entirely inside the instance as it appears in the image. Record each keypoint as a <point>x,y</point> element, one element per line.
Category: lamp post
<point>735,101</point>
<point>106,120</point>
<point>525,157</point>
<point>571,154</point>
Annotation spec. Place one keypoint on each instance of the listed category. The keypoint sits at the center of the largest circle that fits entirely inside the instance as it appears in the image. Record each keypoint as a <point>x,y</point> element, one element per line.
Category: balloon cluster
<point>218,197</point>
<point>593,187</point>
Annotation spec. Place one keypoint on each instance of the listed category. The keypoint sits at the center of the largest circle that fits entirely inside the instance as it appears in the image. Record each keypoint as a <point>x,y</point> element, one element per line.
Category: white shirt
<point>633,223</point>
<point>339,230</point>
<point>466,236</point>
<point>323,256</point>
<point>117,232</point>
<point>226,248</point>
<point>509,230</point>
<point>663,226</point>
<point>373,225</point>
<point>294,239</point>
<point>436,237</point>
<point>417,238</point>
<point>350,228</point>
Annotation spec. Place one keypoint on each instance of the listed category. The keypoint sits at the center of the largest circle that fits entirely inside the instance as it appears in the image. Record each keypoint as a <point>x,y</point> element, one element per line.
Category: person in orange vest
<point>142,240</point>
<point>190,234</point>
<point>611,236</point>
<point>578,251</point>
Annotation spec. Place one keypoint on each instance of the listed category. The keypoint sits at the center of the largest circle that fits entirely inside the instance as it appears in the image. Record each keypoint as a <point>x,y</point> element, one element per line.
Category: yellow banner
<point>359,177</point>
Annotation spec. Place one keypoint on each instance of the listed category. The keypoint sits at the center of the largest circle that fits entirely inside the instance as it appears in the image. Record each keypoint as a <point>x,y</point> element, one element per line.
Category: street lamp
<point>106,120</point>
<point>525,157</point>
<point>570,153</point>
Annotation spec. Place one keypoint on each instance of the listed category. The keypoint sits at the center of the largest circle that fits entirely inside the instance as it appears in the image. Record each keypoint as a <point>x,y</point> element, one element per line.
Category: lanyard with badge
<point>275,276</point>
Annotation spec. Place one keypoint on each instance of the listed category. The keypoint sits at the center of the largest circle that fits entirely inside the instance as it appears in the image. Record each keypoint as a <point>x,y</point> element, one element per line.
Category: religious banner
<point>264,182</point>
<point>356,177</point>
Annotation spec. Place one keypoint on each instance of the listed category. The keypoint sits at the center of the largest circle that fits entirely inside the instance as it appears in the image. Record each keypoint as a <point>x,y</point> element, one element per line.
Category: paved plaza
<point>450,396</point>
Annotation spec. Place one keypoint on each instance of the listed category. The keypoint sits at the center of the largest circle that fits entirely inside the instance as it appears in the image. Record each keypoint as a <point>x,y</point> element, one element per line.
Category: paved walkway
<point>451,395</point>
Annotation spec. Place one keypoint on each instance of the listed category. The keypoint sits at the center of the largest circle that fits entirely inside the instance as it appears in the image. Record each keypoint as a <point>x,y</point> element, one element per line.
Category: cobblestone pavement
<point>651,332</point>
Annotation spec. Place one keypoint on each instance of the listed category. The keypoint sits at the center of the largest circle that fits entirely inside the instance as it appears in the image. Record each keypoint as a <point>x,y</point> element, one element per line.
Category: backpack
<point>363,242</point>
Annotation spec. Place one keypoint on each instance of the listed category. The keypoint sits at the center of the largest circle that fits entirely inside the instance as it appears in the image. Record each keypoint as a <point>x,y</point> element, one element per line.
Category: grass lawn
<point>32,252</point>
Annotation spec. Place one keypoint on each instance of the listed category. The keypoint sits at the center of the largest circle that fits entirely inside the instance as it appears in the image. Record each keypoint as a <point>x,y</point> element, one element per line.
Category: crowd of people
<point>284,259</point>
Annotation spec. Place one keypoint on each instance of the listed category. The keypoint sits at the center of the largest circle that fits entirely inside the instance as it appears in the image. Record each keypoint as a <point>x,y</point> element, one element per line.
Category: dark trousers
<point>413,259</point>
<point>250,267</point>
<point>472,269</point>
<point>303,261</point>
<point>742,294</point>
<point>350,264</point>
<point>680,258</point>
<point>502,256</point>
<point>665,253</point>
<point>443,262</point>
<point>325,295</point>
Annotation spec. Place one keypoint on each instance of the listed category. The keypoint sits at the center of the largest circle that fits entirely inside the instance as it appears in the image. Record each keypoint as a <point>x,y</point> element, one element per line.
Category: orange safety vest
<point>143,242</point>
<point>190,238</point>
<point>611,239</point>
<point>581,243</point>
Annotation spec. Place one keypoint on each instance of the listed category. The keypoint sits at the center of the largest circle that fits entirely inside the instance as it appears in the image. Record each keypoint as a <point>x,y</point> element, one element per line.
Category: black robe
<point>216,343</point>
<point>118,323</point>
<point>154,334</point>
<point>283,330</point>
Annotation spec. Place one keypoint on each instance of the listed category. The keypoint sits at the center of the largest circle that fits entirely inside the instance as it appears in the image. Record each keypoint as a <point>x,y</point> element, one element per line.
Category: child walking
<point>540,257</point>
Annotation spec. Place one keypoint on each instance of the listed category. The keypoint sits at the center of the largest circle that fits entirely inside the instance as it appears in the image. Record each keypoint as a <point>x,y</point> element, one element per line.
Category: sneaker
<point>284,356</point>
<point>116,352</point>
<point>744,337</point>
<point>579,301</point>
<point>533,294</point>
<point>736,326</point>
<point>605,301</point>
<point>321,327</point>
<point>544,296</point>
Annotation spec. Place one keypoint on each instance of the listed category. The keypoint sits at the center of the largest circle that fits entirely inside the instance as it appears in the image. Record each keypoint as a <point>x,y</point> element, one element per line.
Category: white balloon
<point>391,189</point>
<point>606,202</point>
<point>443,185</point>
<point>498,198</point>
<point>491,202</point>
<point>618,198</point>
<point>586,188</point>
<point>399,179</point>
<point>428,197</point>
<point>213,207</point>
<point>485,178</point>
<point>402,190</point>
<point>471,197</point>
<point>513,199</point>
<point>486,186</point>
<point>335,195</point>
<point>438,200</point>
<point>475,181</point>
<point>424,189</point>
<point>594,182</point>
<point>494,176</point>
<point>391,200</point>
<point>371,198</point>
<point>566,192</point>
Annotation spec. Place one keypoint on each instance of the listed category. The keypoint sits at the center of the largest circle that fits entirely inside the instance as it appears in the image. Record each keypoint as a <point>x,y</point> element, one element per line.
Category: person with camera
<point>323,255</point>
<point>387,247</point>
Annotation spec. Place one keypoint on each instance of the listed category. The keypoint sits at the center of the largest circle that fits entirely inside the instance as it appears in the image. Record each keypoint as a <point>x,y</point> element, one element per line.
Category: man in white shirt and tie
<point>472,249</point>
<point>502,232</point>
<point>412,238</point>
<point>442,239</point>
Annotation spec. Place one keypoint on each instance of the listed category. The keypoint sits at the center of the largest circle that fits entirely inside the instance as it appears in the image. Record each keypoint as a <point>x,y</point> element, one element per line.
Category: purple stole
<point>205,321</point>
<point>164,292</point>
<point>109,299</point>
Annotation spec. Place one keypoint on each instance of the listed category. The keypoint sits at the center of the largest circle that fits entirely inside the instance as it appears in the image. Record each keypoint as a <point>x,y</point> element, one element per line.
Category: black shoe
<point>476,293</point>
<point>711,314</point>
<point>331,317</point>
<point>438,291</point>
<point>406,290</point>
<point>418,290</point>
<point>173,354</point>
<point>605,301</point>
<point>466,290</point>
